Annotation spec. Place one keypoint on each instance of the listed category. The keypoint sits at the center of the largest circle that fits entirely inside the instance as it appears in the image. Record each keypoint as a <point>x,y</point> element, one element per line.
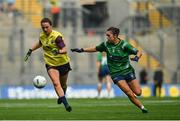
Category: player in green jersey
<point>55,57</point>
<point>122,73</point>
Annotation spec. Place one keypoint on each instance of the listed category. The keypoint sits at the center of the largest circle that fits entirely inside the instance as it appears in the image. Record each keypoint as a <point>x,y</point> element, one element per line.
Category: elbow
<point>63,52</point>
<point>139,54</point>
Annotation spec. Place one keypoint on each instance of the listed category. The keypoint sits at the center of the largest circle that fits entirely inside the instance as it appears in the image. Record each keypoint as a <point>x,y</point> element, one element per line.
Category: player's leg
<point>63,79</point>
<point>122,84</point>
<point>99,88</point>
<point>100,81</point>
<point>159,89</point>
<point>64,71</point>
<point>135,87</point>
<point>54,75</point>
<point>154,90</point>
<point>108,84</point>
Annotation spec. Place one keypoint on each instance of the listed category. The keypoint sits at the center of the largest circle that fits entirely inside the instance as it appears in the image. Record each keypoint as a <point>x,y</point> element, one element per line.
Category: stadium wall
<point>79,91</point>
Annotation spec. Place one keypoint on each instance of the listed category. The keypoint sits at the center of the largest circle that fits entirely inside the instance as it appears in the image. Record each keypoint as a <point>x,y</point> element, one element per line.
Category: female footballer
<point>122,73</point>
<point>55,57</point>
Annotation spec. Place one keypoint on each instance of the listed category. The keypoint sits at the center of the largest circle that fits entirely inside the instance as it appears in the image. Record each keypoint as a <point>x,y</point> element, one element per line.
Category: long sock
<point>64,87</point>
<point>64,101</point>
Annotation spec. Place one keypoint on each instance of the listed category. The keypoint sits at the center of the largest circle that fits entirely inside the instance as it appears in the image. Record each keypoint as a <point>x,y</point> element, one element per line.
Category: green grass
<point>106,109</point>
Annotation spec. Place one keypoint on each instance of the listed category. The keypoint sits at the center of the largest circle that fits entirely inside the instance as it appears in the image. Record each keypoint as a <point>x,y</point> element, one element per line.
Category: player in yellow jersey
<point>55,57</point>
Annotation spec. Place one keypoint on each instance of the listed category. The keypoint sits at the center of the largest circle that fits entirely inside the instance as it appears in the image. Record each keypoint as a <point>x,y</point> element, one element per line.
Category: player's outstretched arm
<point>80,50</point>
<point>34,47</point>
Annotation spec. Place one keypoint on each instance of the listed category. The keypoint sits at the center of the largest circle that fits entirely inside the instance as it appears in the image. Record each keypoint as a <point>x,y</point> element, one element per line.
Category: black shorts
<point>63,69</point>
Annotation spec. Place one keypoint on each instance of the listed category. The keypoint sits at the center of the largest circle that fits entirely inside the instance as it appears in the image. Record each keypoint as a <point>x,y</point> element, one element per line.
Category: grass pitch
<point>88,109</point>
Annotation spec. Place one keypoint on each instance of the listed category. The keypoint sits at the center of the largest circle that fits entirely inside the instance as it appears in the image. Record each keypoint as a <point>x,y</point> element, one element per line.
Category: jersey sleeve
<point>129,48</point>
<point>59,42</point>
<point>101,47</point>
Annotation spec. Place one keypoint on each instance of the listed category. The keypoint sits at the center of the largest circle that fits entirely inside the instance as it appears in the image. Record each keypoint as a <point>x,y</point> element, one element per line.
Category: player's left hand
<point>28,55</point>
<point>136,58</point>
<point>55,51</point>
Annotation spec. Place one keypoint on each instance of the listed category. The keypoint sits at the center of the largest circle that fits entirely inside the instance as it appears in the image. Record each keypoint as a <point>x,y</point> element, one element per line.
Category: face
<point>46,27</point>
<point>110,37</point>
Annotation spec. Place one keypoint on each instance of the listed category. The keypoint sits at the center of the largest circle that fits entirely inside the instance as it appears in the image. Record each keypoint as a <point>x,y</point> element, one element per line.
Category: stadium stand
<point>31,9</point>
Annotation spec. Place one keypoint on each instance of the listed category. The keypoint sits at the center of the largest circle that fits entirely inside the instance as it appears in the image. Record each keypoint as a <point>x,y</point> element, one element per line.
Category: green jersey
<point>118,56</point>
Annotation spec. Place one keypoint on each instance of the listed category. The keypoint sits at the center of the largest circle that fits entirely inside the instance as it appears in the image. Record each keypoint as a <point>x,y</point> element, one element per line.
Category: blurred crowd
<point>7,6</point>
<point>51,9</point>
<point>158,79</point>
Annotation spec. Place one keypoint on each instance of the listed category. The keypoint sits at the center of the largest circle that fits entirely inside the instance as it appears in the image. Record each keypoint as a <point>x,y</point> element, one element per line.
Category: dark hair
<point>46,20</point>
<point>115,31</point>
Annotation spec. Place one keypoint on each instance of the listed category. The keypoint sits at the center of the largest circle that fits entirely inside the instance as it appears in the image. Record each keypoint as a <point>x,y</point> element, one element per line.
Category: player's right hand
<point>79,50</point>
<point>55,51</point>
<point>28,54</point>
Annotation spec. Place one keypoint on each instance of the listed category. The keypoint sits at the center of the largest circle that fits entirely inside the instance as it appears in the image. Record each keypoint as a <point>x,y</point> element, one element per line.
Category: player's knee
<point>138,92</point>
<point>56,84</point>
<point>99,85</point>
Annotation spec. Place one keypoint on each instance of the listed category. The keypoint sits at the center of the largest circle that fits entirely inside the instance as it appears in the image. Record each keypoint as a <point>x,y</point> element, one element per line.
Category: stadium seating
<point>155,16</point>
<point>147,60</point>
<point>31,9</point>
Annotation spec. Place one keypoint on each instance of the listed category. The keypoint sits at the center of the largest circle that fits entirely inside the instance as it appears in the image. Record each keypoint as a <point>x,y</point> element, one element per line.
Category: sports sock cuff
<point>142,106</point>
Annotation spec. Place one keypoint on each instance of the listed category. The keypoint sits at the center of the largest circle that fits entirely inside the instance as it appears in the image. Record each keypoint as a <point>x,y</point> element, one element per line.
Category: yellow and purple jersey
<point>53,41</point>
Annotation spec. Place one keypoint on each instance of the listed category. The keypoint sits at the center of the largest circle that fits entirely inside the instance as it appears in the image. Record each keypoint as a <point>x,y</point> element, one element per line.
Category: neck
<point>48,33</point>
<point>117,40</point>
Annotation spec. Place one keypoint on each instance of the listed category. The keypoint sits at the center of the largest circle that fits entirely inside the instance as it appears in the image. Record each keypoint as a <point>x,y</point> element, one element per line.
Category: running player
<point>103,74</point>
<point>55,57</point>
<point>122,73</point>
